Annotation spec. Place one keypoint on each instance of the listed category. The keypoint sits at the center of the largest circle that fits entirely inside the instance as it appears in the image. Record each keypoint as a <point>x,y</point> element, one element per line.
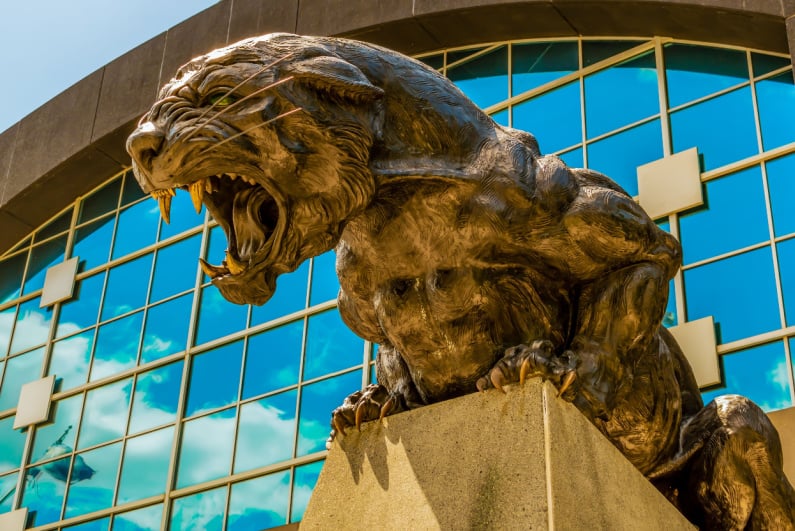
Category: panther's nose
<point>144,145</point>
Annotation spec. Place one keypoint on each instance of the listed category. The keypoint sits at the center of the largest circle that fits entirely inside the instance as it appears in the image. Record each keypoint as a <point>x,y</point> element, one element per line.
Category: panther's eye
<point>221,99</point>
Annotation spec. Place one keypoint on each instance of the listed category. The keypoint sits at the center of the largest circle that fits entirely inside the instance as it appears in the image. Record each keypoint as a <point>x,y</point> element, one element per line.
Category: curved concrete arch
<point>76,140</point>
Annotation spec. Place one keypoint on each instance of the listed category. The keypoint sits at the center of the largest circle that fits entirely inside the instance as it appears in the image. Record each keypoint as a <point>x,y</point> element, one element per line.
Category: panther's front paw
<point>374,402</point>
<point>538,359</point>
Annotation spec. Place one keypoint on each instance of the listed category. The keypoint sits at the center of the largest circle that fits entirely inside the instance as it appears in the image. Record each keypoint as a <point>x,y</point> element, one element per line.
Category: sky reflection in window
<point>781,183</point>
<point>127,286</point>
<point>166,330</point>
<point>259,503</point>
<point>105,413</point>
<point>266,431</point>
<point>137,228</point>
<point>19,370</point>
<point>305,480</point>
<point>330,345</point>
<point>173,267</point>
<point>144,519</point>
<point>204,511</point>
<point>12,442</point>
<point>696,71</point>
<point>32,326</point>
<point>553,130</point>
<point>156,397</point>
<point>272,359</point>
<point>81,311</point>
<point>70,358</point>
<point>93,490</point>
<point>92,243</point>
<point>325,285</point>
<point>214,378</point>
<point>206,451</point>
<point>289,297</point>
<point>117,346</point>
<point>41,258</point>
<point>483,79</point>
<point>217,316</point>
<point>775,97</point>
<point>145,468</point>
<point>317,401</point>
<point>537,63</point>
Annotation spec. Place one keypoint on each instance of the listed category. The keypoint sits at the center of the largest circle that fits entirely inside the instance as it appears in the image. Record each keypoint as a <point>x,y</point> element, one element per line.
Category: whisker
<point>228,92</point>
<point>266,122</point>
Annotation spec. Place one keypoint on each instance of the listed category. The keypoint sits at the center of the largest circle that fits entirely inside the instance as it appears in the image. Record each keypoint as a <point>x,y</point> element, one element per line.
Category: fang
<point>235,266</point>
<point>196,194</point>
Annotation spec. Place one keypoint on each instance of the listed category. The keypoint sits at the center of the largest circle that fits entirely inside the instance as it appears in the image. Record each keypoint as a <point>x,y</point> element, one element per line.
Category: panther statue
<point>470,258</point>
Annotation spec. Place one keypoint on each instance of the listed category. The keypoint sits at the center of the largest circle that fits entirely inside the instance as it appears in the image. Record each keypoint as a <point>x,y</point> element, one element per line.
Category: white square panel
<point>34,402</point>
<point>697,339</point>
<point>59,283</point>
<point>15,520</point>
<point>671,184</point>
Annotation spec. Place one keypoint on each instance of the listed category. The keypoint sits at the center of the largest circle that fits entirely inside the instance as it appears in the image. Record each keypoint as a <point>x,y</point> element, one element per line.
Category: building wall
<point>216,404</point>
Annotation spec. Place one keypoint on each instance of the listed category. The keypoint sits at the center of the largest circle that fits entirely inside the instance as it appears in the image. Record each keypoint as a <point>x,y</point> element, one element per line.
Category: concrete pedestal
<point>521,460</point>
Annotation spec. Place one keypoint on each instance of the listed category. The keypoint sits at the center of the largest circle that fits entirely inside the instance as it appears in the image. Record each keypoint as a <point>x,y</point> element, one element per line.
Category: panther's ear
<point>335,76</point>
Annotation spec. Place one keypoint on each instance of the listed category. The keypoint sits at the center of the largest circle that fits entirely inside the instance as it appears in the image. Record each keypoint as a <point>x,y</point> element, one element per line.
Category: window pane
<point>144,519</point>
<point>206,448</point>
<point>696,71</point>
<point>217,316</point>
<point>317,402</point>
<point>214,378</point>
<point>51,440</point>
<point>56,226</point>
<point>781,183</point>
<point>183,217</point>
<point>759,373</point>
<point>501,117</point>
<point>100,202</point>
<point>32,327</point>
<point>44,491</point>
<point>776,99</point>
<point>290,296</point>
<point>215,248</point>
<point>633,83</point>
<point>273,359</point>
<point>70,358</point>
<point>553,130</point>
<point>573,158</point>
<point>434,61</point>
<point>266,432</point>
<point>11,270</point>
<point>127,285</point>
<point>12,442</point>
<point>786,266</point>
<point>742,304</point>
<point>484,79</point>
<point>81,311</point>
<point>42,257</point>
<point>305,480</point>
<point>764,63</point>
<point>145,469</point>
<point>175,268</point>
<point>166,329</point>
<point>7,319</point>
<point>619,156</point>
<point>722,129</point>
<point>595,51</point>
<point>325,284</point>
<point>131,191</point>
<point>137,228</point>
<point>722,225</point>
<point>92,243</point>
<point>330,345</point>
<point>249,510</point>
<point>94,525</point>
<point>204,511</point>
<point>19,371</point>
<point>105,414</point>
<point>535,64</point>
<point>117,346</point>
<point>7,484</point>
<point>93,480</point>
<point>156,397</point>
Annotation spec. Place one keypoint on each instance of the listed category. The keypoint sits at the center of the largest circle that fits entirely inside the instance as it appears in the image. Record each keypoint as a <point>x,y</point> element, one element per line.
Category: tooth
<point>211,270</point>
<point>196,194</point>
<point>235,266</point>
<point>165,207</point>
<point>232,176</point>
<point>208,186</point>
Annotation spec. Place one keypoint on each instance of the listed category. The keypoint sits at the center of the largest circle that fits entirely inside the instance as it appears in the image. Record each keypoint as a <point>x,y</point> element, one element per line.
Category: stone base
<point>521,460</point>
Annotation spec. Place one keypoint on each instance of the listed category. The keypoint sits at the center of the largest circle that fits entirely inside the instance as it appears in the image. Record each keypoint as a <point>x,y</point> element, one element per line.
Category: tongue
<point>250,233</point>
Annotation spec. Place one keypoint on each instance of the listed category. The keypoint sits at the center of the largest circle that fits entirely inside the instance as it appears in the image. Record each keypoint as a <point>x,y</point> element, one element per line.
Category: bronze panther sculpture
<point>473,260</point>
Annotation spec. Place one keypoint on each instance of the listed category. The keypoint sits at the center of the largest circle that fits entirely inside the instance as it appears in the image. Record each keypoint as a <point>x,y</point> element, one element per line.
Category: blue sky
<point>48,45</point>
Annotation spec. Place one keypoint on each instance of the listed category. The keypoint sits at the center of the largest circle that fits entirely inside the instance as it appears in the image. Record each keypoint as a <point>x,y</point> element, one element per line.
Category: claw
<point>481,385</point>
<point>338,425</point>
<point>523,371</point>
<point>388,406</point>
<point>567,381</point>
<point>497,379</point>
<point>359,415</point>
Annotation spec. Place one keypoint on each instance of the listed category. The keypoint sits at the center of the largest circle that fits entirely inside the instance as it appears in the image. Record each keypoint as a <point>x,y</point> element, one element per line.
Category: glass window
<point>32,327</point>
<point>7,319</point>
<point>693,72</point>
<point>214,378</point>
<point>743,305</point>
<point>100,202</point>
<point>183,217</point>
<point>44,490</point>
<point>92,243</point>
<point>93,480</point>
<point>217,316</point>
<point>289,297</point>
<point>12,442</point>
<point>325,284</point>
<point>775,97</point>
<point>618,156</point>
<point>483,79</point>
<point>70,358</point>
<point>305,480</point>
<point>573,158</point>
<point>538,63</point>
<point>759,373</point>
<point>249,510</point>
<point>502,117</point>
<point>553,130</point>
<point>763,63</point>
<point>58,438</point>
<point>137,228</point>
<point>330,345</point>
<point>595,51</point>
<point>632,83</point>
<point>266,431</point>
<point>722,129</point>
<point>781,184</point>
<point>127,286</point>
<point>204,511</point>
<point>131,191</point>
<point>166,329</point>
<point>434,61</point>
<point>317,402</point>
<point>56,226</point>
<point>156,397</point>
<point>786,266</point>
<point>105,413</point>
<point>720,226</point>
<point>42,257</point>
<point>273,359</point>
<point>117,346</point>
<point>144,519</point>
<point>8,485</point>
<point>145,469</point>
<point>94,525</point>
<point>81,310</point>
<point>11,270</point>
<point>206,450</point>
<point>173,267</point>
<point>19,371</point>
